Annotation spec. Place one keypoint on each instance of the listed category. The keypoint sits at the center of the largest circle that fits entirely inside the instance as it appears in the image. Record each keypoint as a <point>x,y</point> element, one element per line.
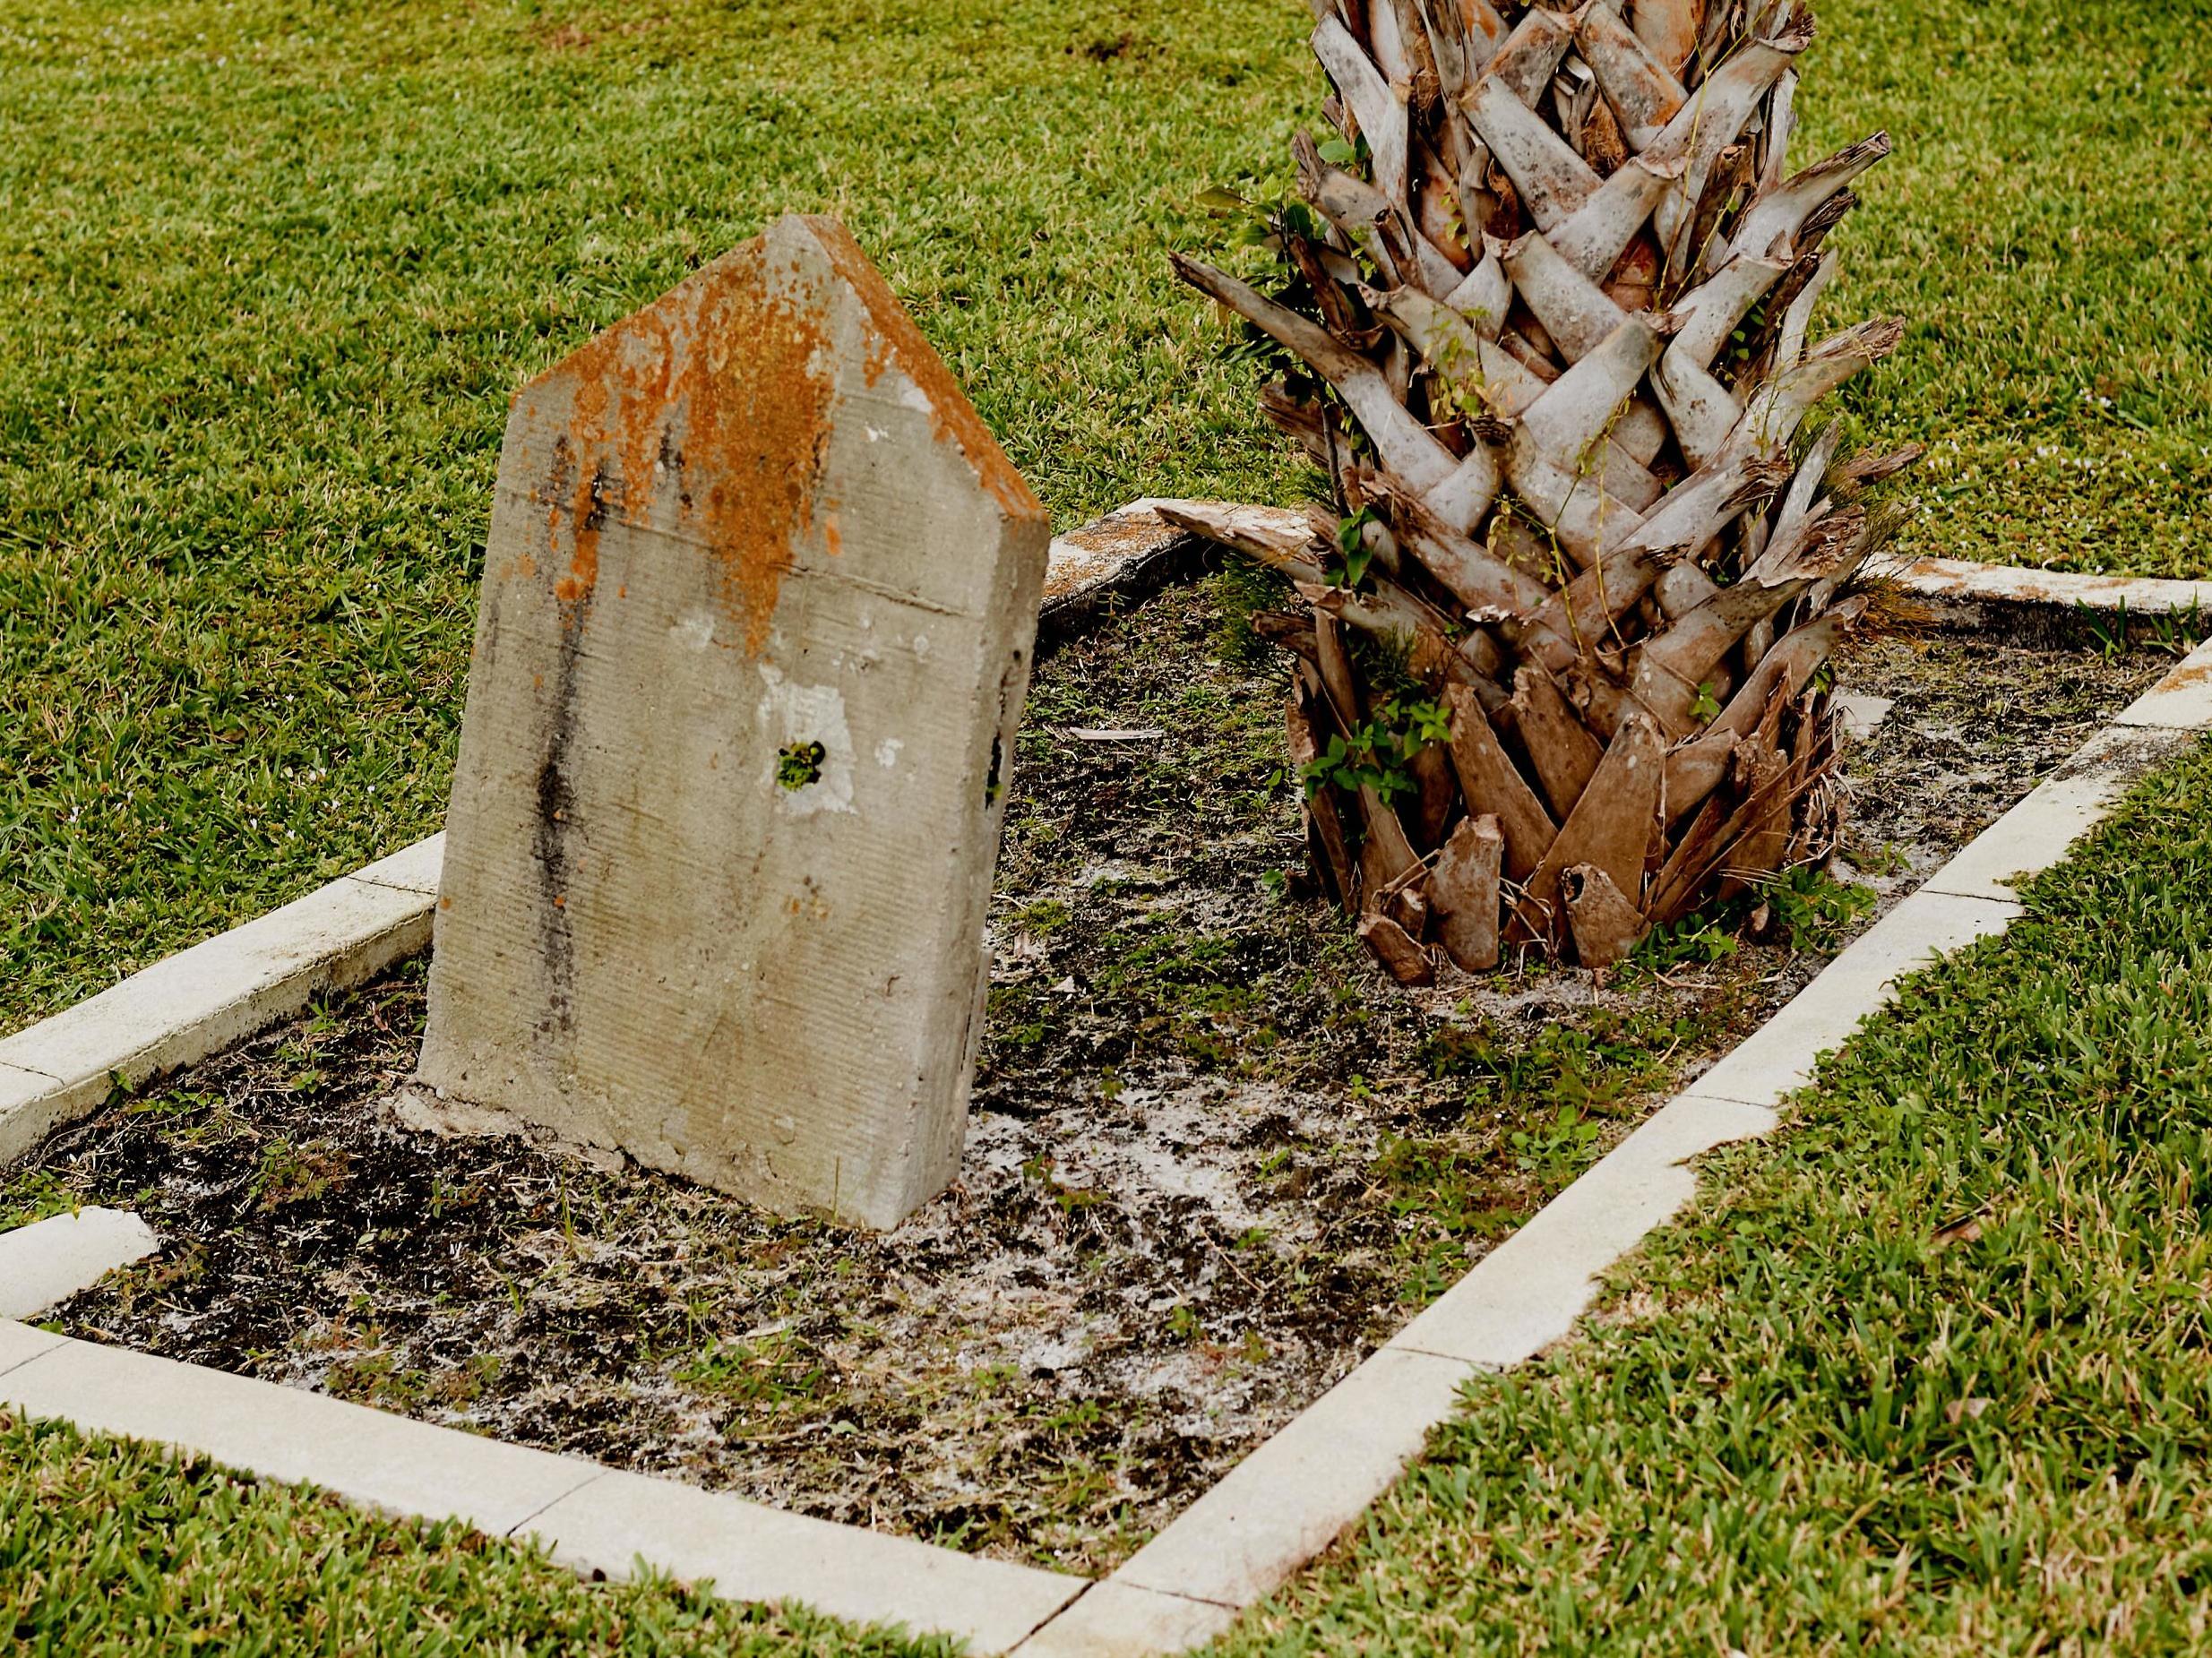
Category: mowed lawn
<point>274,271</point>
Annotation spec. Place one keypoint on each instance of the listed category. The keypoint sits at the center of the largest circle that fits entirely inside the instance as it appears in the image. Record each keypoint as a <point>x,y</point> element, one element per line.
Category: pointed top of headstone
<point>706,415</point>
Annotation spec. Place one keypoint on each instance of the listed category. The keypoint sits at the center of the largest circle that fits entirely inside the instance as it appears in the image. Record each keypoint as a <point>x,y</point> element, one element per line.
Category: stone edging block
<point>1128,552</point>
<point>43,1263</point>
<point>1120,1620</point>
<point>2005,584</point>
<point>1780,1056</point>
<point>369,1456</point>
<point>2038,831</point>
<point>208,998</point>
<point>757,1553</point>
<point>1298,1492</point>
<point>1527,1293</point>
<point>2182,700</point>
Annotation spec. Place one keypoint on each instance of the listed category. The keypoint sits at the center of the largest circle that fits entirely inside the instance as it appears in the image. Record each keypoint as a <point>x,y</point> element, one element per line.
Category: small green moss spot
<point>800,764</point>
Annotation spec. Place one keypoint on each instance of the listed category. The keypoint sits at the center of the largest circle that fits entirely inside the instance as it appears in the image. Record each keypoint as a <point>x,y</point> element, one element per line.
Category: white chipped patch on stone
<point>794,715</point>
<point>43,1263</point>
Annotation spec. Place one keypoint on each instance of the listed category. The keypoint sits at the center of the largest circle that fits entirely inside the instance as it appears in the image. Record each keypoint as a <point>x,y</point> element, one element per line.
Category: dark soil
<point>1214,1158</point>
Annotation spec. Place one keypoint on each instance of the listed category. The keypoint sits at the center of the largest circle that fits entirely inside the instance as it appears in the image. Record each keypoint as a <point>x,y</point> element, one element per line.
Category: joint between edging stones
<point>54,1342</point>
<point>1055,1615</point>
<point>1934,887</point>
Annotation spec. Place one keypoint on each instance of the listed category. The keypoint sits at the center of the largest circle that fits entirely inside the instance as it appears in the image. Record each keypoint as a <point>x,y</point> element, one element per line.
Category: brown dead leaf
<point>1964,1230</point>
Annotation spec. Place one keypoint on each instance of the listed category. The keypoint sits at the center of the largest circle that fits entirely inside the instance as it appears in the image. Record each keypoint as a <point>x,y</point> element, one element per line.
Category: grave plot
<point>1215,1159</point>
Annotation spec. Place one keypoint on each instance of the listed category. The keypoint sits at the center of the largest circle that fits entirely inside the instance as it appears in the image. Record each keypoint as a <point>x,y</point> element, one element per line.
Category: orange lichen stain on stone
<point>713,402</point>
<point>2185,678</point>
<point>899,343</point>
<point>832,537</point>
<point>758,392</point>
<point>586,507</point>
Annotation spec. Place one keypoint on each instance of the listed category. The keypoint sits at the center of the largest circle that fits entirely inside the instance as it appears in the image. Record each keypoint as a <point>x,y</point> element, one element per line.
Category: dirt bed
<point>1215,1159</point>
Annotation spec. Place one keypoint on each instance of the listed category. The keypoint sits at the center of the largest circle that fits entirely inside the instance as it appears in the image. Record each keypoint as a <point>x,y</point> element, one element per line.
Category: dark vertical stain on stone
<point>556,803</point>
<point>556,828</point>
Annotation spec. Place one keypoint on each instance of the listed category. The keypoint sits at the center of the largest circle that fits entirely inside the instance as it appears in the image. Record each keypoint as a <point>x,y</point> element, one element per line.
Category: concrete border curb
<point>1963,580</point>
<point>1292,1498</point>
<point>215,994</point>
<point>1131,550</point>
<point>1123,555</point>
<point>45,1263</point>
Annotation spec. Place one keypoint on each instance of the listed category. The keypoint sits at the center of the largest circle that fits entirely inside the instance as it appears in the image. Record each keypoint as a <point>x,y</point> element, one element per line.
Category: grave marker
<point>758,605</point>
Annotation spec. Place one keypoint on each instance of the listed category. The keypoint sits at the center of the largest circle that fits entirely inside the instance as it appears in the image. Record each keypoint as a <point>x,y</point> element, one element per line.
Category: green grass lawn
<point>275,268</point>
<point>2043,225</point>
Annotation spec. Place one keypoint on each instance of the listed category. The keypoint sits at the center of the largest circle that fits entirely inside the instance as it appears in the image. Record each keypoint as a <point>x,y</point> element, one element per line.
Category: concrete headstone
<point>759,601</point>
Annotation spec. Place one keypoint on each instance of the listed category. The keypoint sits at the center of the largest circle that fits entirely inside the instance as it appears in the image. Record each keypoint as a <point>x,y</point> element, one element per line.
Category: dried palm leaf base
<point>1545,332</point>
